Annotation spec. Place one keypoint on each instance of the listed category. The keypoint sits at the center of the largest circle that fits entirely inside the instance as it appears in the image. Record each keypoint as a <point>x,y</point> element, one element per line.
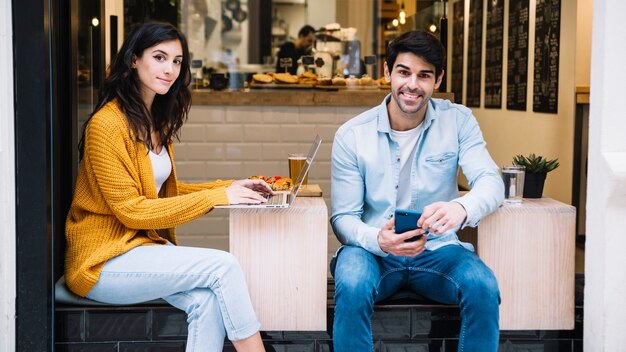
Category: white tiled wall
<point>232,142</point>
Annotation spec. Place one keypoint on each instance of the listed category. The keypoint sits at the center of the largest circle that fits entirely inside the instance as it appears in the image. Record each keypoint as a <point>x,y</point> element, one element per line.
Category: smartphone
<point>406,220</point>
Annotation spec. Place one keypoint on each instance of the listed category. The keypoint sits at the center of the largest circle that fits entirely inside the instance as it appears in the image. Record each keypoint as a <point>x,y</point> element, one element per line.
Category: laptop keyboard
<point>277,198</point>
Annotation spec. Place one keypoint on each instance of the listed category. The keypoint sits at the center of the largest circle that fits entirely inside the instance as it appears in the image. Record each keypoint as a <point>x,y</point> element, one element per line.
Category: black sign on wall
<point>456,70</point>
<point>139,11</point>
<point>547,41</point>
<point>517,62</point>
<point>474,52</point>
<point>493,59</point>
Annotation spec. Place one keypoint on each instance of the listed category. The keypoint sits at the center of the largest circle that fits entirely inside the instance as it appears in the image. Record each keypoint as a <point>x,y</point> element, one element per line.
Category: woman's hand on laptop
<point>248,192</point>
<point>256,185</point>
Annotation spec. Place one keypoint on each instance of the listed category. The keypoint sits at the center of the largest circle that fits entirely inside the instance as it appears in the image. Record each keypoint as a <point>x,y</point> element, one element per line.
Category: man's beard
<point>411,109</point>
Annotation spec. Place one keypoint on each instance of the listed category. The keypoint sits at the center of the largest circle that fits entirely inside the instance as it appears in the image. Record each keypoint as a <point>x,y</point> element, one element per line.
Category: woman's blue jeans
<point>207,284</point>
<point>450,274</point>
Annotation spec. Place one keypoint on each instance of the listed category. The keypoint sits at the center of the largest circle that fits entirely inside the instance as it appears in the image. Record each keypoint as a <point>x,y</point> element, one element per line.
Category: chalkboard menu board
<point>547,37</point>
<point>517,63</point>
<point>474,52</point>
<point>456,71</point>
<point>493,59</point>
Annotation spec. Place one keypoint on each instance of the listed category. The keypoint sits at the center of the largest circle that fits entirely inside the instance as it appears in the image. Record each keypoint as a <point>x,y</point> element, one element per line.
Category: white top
<point>161,167</point>
<point>407,140</point>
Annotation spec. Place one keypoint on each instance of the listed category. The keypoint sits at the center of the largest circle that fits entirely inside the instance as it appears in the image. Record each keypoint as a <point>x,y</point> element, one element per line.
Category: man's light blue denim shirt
<point>365,173</point>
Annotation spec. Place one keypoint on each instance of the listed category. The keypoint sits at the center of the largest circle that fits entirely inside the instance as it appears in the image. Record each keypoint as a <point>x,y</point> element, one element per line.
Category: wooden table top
<point>304,205</point>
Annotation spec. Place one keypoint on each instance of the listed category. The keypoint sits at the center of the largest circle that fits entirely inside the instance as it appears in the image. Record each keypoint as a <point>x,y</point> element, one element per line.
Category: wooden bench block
<point>283,255</point>
<point>531,249</point>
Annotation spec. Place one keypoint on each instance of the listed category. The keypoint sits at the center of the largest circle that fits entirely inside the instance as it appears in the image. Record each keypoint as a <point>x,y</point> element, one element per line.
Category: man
<point>296,49</point>
<point>404,154</point>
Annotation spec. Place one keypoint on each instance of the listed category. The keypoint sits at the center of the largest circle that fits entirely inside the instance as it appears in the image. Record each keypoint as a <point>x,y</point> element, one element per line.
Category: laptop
<point>284,199</point>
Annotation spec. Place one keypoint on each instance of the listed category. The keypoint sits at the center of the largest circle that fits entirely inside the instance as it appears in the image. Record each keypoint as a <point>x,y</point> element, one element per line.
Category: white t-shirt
<point>161,167</point>
<point>408,144</point>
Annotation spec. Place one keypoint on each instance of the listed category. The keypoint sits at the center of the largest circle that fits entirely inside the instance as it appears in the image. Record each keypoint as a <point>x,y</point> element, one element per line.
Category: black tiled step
<point>152,346</point>
<point>399,324</point>
<point>87,347</point>
<point>113,326</point>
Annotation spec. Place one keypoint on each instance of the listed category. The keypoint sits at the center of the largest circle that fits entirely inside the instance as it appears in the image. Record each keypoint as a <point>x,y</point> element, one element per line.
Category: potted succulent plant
<point>536,169</point>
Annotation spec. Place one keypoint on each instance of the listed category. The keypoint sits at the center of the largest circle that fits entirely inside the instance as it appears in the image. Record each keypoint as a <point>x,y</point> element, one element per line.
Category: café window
<point>241,37</point>
<point>232,39</point>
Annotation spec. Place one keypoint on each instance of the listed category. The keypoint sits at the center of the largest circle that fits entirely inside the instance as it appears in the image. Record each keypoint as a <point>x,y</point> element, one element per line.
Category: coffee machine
<point>337,51</point>
<point>327,50</point>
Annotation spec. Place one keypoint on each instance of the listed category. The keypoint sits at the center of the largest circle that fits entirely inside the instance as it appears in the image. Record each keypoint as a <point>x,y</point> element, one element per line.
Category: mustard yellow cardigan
<point>116,197</point>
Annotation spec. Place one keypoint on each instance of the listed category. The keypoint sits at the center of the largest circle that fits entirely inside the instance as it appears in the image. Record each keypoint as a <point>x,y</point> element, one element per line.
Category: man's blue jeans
<point>450,274</point>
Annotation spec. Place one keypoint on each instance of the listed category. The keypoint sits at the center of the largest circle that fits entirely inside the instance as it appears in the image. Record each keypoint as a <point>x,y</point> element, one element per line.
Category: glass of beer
<point>296,162</point>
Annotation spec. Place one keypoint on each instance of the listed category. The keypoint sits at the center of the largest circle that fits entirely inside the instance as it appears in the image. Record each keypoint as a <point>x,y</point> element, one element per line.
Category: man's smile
<point>411,95</point>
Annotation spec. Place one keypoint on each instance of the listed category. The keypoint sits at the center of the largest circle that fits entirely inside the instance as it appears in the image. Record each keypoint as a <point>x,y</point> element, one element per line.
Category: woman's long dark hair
<point>168,111</point>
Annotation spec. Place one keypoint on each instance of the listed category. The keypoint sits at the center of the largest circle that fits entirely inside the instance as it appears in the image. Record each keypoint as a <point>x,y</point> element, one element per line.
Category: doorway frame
<point>42,176</point>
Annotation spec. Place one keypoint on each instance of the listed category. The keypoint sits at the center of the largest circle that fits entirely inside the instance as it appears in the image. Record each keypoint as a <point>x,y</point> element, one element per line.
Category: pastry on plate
<point>339,81</point>
<point>366,81</point>
<point>308,75</point>
<point>383,82</point>
<point>285,78</point>
<point>324,81</point>
<point>262,78</point>
<point>352,81</point>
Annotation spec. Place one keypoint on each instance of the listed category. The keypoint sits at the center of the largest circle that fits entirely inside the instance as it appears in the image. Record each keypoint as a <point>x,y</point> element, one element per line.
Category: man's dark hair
<point>304,31</point>
<point>420,43</point>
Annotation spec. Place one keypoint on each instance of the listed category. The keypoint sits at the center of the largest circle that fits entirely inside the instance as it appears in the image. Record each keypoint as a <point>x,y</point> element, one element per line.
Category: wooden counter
<point>294,97</point>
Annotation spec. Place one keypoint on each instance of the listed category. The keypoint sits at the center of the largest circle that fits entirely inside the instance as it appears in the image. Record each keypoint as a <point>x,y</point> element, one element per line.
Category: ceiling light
<point>395,22</point>
<point>432,28</point>
<point>95,22</point>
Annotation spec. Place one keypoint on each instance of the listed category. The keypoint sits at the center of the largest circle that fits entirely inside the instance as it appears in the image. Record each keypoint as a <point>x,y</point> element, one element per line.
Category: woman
<point>120,228</point>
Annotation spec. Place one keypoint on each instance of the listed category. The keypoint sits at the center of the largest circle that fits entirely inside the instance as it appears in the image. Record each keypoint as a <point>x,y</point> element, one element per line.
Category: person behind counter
<point>121,241</point>
<point>296,49</point>
<point>404,154</point>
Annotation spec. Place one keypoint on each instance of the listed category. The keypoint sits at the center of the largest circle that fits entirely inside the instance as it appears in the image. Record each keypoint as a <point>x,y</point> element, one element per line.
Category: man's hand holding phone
<point>397,244</point>
<point>440,217</point>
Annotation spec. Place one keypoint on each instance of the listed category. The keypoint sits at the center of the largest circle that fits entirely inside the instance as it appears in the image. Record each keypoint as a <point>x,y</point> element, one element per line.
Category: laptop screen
<point>305,169</point>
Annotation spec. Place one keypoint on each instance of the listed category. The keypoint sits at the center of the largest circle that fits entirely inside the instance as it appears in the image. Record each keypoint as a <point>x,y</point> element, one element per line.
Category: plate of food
<point>276,183</point>
<point>282,80</point>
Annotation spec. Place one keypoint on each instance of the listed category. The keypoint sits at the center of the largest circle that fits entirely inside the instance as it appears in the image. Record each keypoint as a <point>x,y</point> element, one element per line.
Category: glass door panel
<point>87,64</point>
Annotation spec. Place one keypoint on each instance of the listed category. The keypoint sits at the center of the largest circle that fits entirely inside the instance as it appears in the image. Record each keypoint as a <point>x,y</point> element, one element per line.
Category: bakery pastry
<point>383,82</point>
<point>308,75</point>
<point>366,81</point>
<point>324,81</point>
<point>285,78</point>
<point>262,78</point>
<point>352,81</point>
<point>339,81</point>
